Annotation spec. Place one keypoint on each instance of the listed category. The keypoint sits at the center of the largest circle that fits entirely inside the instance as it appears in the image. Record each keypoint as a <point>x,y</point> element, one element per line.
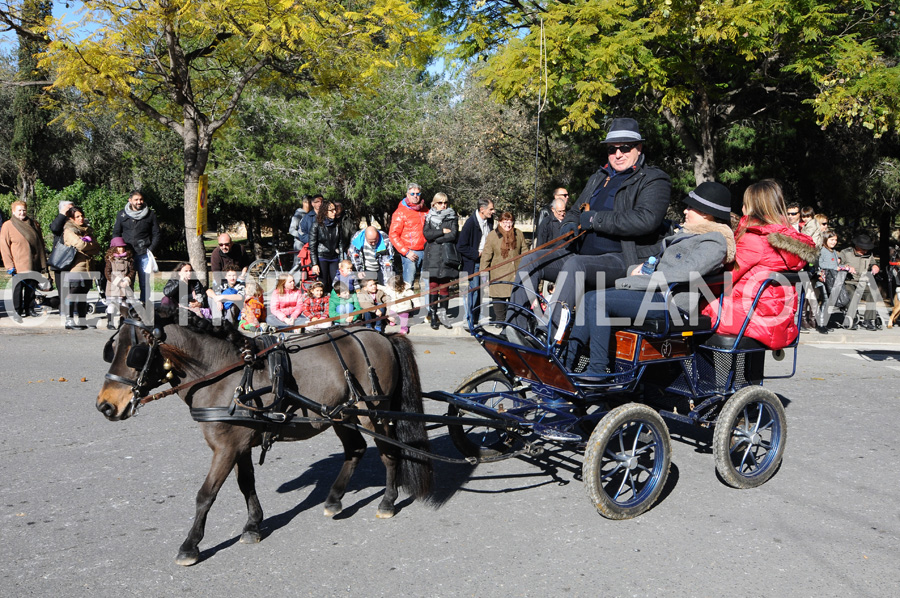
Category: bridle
<point>140,358</point>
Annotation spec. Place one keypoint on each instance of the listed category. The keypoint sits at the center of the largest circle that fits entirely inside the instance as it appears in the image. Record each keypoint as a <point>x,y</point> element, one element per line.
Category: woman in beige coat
<point>22,248</point>
<point>503,243</point>
<point>79,235</point>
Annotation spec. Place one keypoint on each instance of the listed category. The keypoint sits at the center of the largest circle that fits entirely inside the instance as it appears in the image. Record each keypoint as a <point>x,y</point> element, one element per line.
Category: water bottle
<point>649,266</point>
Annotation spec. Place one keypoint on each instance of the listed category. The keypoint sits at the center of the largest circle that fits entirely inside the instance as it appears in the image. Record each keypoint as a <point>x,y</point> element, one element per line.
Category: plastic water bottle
<point>649,266</point>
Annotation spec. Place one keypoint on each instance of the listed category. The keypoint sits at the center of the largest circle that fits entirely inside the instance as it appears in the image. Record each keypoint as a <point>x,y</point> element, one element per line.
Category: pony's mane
<point>165,315</point>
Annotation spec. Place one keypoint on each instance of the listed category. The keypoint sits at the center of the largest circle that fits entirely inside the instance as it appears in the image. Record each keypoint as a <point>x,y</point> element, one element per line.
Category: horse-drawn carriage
<point>249,395</point>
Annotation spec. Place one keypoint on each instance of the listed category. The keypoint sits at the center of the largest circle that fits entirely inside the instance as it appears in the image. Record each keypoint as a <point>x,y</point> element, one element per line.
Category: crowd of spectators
<point>618,222</point>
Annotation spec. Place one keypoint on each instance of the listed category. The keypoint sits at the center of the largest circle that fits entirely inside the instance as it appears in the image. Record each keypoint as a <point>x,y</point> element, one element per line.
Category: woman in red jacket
<point>765,243</point>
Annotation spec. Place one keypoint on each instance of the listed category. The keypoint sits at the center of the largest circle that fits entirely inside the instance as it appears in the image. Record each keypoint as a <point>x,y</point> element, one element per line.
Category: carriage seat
<point>663,325</point>
<point>726,342</point>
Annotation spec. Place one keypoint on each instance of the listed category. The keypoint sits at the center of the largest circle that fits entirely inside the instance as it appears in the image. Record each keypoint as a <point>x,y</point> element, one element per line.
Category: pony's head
<point>140,360</point>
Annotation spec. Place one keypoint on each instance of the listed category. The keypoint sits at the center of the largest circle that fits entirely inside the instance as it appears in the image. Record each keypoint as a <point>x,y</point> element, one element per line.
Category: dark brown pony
<point>318,372</point>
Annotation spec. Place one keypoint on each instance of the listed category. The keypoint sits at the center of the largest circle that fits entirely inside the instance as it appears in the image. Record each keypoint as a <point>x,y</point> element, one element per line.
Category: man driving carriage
<point>622,208</point>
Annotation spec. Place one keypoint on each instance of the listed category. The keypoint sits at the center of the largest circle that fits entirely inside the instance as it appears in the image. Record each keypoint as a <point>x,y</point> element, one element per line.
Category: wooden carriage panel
<point>530,365</point>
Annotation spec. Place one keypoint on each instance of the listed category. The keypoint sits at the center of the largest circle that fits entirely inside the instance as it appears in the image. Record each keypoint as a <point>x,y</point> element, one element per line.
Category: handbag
<point>61,257</point>
<point>450,256</point>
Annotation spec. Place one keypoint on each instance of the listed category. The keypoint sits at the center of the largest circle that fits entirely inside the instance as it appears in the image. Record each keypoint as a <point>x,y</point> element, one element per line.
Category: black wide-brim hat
<point>623,130</point>
<point>863,241</point>
<point>711,198</point>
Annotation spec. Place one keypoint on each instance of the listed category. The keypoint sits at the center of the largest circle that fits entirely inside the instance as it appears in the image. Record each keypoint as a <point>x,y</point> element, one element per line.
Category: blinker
<point>108,352</point>
<point>137,356</point>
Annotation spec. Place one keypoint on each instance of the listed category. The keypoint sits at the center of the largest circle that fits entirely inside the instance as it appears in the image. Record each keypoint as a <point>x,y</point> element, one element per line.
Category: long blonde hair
<point>764,204</point>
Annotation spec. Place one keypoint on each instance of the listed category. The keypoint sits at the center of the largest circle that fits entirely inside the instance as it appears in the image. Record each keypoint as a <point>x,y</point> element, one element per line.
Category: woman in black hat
<point>860,261</point>
<point>703,245</point>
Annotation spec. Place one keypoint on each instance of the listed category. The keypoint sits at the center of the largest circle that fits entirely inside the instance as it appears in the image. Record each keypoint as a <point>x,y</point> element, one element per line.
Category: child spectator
<point>119,272</point>
<point>315,306</point>
<point>342,302</point>
<point>286,303</point>
<point>371,296</point>
<point>397,290</point>
<point>230,286</point>
<point>347,276</point>
<point>254,311</point>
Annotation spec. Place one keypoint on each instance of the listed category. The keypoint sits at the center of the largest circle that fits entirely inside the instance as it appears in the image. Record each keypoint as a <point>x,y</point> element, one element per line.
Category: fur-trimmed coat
<point>761,250</point>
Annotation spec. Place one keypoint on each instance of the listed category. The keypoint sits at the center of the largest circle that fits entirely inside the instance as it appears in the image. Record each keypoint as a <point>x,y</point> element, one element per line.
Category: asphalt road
<point>94,508</point>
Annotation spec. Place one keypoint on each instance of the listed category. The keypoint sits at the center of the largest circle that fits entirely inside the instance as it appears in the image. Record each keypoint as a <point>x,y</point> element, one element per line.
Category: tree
<point>35,146</point>
<point>185,65</point>
<point>704,65</point>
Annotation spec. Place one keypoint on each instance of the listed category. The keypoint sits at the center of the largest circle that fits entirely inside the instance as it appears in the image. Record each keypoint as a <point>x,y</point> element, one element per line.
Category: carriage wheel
<point>748,443</point>
<point>483,443</point>
<point>626,461</point>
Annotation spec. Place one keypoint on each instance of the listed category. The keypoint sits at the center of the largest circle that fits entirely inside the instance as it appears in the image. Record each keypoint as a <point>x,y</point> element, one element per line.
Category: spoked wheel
<point>748,443</point>
<point>482,442</point>
<point>626,461</point>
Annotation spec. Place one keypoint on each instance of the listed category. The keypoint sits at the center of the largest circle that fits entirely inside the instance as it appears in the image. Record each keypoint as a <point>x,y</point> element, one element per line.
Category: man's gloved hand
<point>586,220</point>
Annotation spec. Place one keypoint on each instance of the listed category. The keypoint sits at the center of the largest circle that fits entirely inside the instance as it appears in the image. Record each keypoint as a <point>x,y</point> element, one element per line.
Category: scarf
<point>507,240</point>
<point>28,229</point>
<point>437,217</point>
<point>136,214</point>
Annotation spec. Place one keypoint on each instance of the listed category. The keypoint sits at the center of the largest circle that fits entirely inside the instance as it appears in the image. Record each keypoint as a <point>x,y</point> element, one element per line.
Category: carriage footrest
<point>551,433</point>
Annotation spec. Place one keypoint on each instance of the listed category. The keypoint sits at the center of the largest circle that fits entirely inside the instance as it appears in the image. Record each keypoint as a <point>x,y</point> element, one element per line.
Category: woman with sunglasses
<point>326,244</point>
<point>441,228</point>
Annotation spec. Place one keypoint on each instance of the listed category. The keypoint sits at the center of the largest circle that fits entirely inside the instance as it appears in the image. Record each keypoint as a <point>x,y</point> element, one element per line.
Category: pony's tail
<point>416,472</point>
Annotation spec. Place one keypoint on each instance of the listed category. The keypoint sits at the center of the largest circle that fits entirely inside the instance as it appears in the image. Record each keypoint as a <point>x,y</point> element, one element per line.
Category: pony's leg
<point>223,461</point>
<point>354,448</point>
<point>391,462</point>
<point>247,483</point>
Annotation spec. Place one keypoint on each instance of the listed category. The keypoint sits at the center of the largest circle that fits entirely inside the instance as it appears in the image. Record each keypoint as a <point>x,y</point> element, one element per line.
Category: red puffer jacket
<point>406,227</point>
<point>759,251</point>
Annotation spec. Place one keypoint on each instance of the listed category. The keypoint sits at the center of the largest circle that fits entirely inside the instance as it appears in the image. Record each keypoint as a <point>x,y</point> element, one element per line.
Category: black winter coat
<point>469,240</point>
<point>434,254</point>
<point>327,242</point>
<point>638,216</point>
<point>142,235</point>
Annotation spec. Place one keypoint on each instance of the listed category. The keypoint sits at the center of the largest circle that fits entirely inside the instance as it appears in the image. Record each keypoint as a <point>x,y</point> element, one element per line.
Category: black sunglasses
<point>624,148</point>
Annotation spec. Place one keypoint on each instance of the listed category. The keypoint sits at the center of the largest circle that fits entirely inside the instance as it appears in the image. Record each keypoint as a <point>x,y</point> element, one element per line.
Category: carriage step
<point>551,433</point>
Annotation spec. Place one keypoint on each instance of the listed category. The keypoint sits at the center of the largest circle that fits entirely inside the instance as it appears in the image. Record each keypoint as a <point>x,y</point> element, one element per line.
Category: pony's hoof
<point>384,514</point>
<point>187,558</point>
<point>332,510</point>
<point>250,538</point>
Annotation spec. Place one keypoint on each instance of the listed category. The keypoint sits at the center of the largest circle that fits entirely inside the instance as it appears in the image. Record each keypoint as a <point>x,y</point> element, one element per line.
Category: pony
<point>383,368</point>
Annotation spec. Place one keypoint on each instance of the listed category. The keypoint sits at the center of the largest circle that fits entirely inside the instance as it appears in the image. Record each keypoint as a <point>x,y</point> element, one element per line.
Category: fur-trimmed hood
<point>786,239</point>
<point>708,226</point>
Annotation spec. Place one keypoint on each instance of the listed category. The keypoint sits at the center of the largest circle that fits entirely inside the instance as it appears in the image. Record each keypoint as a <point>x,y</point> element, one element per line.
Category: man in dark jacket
<point>227,256</point>
<point>471,241</point>
<point>549,227</point>
<point>137,224</point>
<point>623,219</point>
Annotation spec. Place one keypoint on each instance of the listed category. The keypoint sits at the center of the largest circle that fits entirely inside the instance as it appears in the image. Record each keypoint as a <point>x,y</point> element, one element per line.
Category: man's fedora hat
<point>623,130</point>
<point>863,241</point>
<point>711,198</point>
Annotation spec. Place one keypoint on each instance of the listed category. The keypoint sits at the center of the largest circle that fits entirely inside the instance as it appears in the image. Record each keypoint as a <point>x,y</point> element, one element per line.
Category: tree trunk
<point>196,156</point>
<point>702,151</point>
